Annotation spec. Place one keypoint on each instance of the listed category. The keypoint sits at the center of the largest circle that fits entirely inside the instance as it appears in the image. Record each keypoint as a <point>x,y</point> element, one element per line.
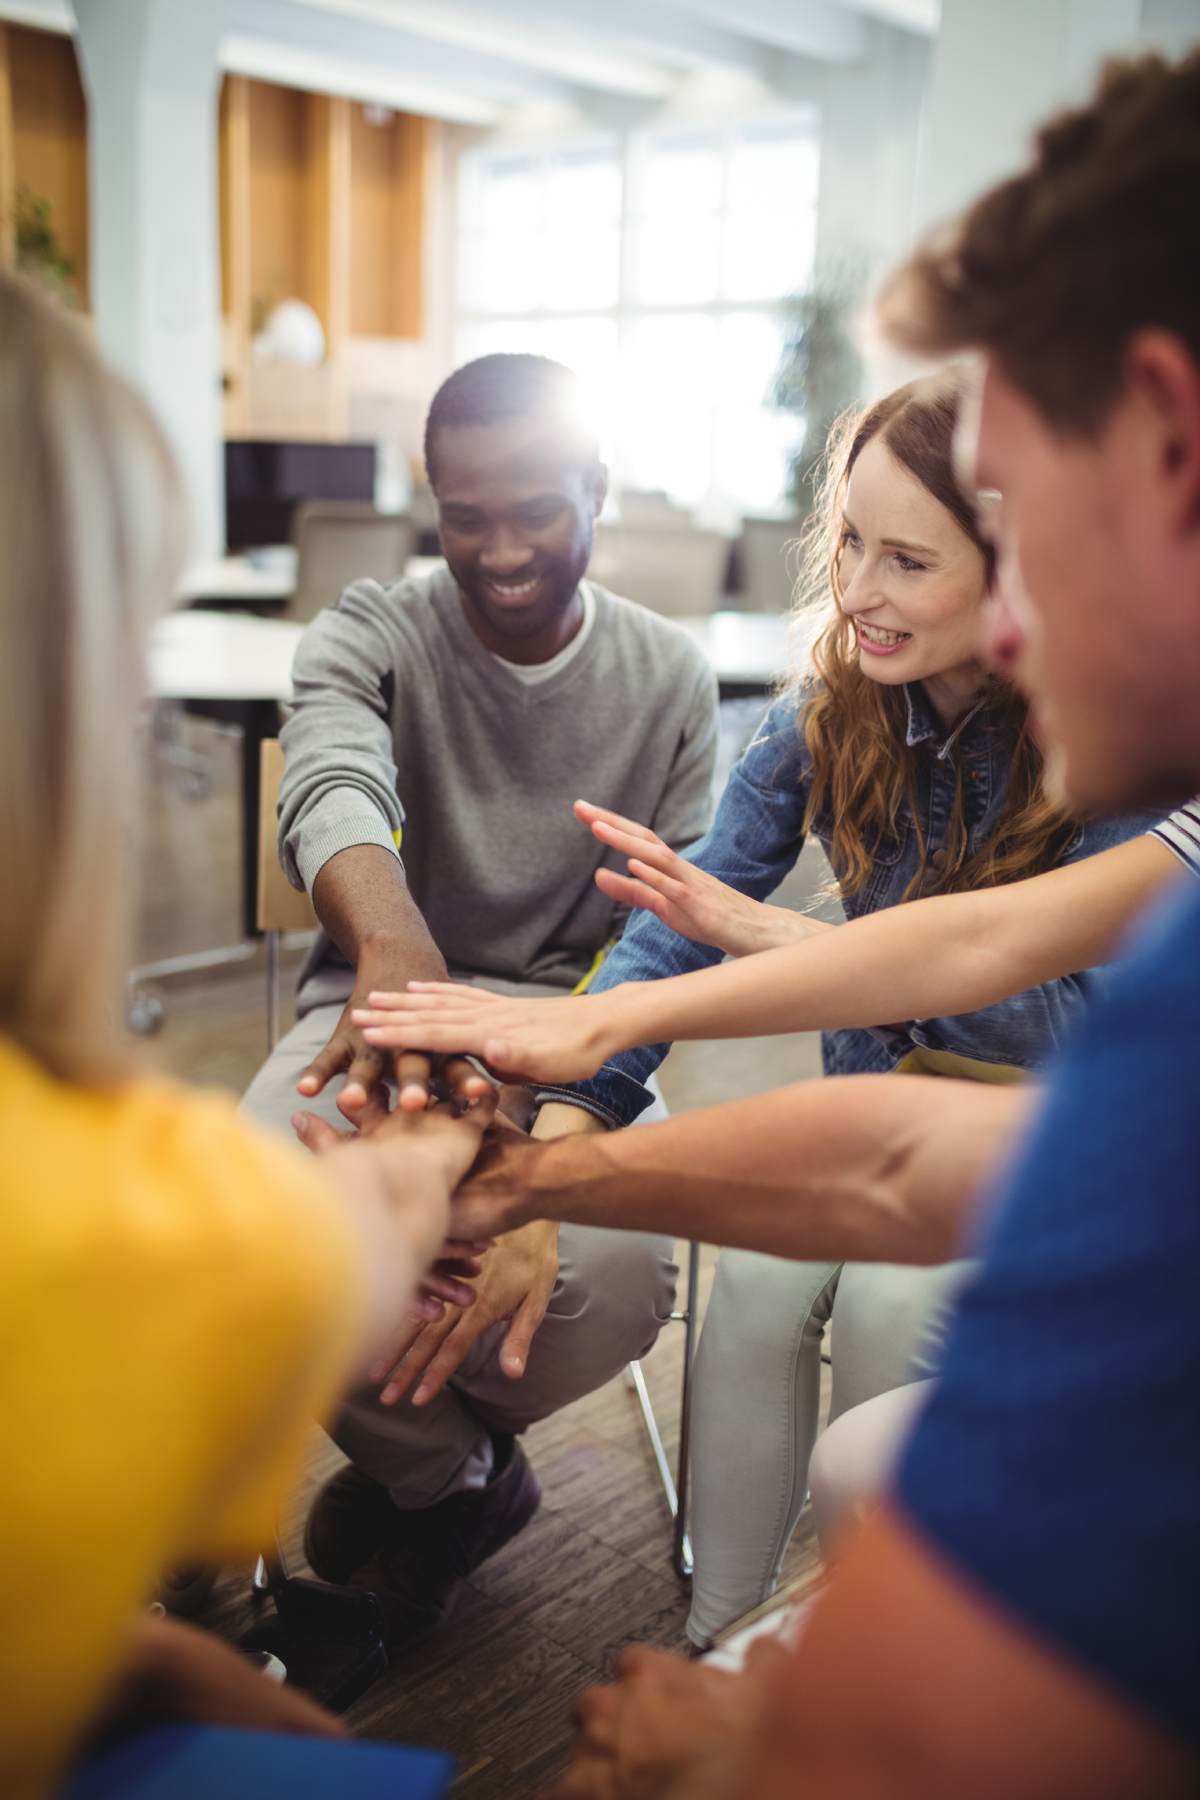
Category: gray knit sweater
<point>405,729</point>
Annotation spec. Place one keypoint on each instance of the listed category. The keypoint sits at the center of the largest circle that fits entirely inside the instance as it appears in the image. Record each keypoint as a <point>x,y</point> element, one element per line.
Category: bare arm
<point>363,901</point>
<point>875,1168</point>
<point>936,957</point>
<point>948,954</point>
<point>908,1684</point>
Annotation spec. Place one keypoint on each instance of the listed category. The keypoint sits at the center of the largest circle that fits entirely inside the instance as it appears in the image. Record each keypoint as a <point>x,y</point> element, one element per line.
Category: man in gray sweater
<point>440,732</point>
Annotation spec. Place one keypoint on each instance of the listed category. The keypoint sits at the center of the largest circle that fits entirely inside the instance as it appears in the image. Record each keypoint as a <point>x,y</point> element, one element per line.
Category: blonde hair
<point>864,772</point>
<point>91,529</point>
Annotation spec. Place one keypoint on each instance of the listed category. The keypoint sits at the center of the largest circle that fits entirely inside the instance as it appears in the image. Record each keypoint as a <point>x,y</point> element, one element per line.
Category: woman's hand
<point>395,1185</point>
<point>519,1040</point>
<point>685,898</point>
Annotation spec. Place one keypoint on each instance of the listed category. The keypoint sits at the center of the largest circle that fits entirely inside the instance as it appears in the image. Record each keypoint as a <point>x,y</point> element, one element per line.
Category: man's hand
<point>687,899</point>
<point>517,1281</point>
<point>663,1721</point>
<point>368,1067</point>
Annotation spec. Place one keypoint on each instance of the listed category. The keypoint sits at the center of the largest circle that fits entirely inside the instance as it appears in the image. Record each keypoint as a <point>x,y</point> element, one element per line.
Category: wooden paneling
<point>233,181</point>
<point>48,152</point>
<point>387,225</point>
<point>7,174</point>
<point>327,214</point>
<point>278,155</point>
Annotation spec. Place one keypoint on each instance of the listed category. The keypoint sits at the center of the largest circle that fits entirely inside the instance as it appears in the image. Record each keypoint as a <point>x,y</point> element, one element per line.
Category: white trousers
<point>756,1398</point>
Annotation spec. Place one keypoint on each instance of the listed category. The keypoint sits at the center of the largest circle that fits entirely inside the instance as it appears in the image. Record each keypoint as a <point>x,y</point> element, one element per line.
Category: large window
<point>655,268</point>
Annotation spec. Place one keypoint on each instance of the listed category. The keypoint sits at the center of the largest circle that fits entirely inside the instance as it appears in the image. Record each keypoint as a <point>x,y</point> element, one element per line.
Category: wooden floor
<point>592,1572</point>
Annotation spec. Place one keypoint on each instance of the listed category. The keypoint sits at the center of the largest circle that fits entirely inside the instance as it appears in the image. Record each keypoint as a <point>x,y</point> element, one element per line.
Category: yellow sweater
<point>178,1299</point>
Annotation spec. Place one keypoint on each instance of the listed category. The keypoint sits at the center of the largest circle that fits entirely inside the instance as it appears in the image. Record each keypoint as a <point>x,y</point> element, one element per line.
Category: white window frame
<point>630,152</point>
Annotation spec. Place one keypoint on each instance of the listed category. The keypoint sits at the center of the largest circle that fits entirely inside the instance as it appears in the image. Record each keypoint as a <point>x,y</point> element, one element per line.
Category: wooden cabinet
<point>321,200</point>
<point>43,141</point>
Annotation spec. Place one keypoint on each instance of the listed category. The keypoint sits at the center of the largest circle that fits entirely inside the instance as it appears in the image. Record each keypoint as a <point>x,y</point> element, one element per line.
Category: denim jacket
<point>755,839</point>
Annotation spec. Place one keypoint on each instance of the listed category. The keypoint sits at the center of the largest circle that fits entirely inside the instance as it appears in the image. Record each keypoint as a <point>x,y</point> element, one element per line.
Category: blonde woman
<point>179,1295</point>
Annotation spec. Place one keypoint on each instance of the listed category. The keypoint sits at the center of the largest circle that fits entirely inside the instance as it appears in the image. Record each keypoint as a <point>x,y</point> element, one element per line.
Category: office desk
<point>236,669</point>
<point>246,582</point>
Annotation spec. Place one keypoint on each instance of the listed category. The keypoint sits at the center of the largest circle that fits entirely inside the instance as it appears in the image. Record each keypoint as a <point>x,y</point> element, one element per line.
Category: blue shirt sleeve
<point>1058,1463</point>
<point>754,840</point>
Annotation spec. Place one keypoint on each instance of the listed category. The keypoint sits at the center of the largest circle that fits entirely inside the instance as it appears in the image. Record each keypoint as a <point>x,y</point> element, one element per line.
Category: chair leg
<point>682,1547</point>
<point>272,938</point>
<point>675,1482</point>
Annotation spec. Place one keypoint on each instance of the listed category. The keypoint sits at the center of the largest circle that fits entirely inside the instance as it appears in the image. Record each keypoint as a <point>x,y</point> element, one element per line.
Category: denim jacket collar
<point>925,724</point>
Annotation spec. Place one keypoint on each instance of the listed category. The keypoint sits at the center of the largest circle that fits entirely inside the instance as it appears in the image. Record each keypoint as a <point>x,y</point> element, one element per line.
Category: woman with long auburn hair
<point>918,772</point>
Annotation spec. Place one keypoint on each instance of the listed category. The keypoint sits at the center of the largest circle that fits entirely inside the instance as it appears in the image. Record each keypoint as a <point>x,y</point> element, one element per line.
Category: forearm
<point>937,957</point>
<point>363,901</point>
<point>872,1168</point>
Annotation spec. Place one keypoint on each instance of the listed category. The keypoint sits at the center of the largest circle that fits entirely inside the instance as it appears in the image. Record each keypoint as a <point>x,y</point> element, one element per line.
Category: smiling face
<point>516,516</point>
<point>911,581</point>
<point>1097,617</point>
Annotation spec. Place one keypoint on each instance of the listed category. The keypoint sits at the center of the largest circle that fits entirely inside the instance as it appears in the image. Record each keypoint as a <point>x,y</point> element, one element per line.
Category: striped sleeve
<point>1181,834</point>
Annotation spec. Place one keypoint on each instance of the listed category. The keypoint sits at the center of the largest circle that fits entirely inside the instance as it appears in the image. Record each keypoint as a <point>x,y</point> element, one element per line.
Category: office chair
<point>340,541</point>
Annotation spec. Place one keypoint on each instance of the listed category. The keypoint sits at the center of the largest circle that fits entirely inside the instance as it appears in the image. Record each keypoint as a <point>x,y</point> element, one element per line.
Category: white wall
<point>1000,69</point>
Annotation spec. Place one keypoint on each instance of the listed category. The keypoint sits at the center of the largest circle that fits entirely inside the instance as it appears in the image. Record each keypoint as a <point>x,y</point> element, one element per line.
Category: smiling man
<point>441,730</point>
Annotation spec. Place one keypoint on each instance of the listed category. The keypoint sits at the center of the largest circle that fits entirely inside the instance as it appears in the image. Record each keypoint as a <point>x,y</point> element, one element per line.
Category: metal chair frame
<point>675,1481</point>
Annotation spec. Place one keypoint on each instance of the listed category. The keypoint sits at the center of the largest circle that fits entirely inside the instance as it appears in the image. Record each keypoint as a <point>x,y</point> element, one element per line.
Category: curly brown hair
<point>864,771</point>
<point>1053,271</point>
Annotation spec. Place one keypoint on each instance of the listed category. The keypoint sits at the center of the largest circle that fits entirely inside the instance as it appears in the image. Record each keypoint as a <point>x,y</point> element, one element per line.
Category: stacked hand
<point>667,1727</point>
<point>364,1098</point>
<point>473,1284</point>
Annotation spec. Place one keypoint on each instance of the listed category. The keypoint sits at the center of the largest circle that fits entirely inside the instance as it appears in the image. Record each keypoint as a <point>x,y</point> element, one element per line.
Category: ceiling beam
<point>590,60</point>
<point>821,29</point>
<point>299,33</point>
<point>922,16</point>
<point>651,29</point>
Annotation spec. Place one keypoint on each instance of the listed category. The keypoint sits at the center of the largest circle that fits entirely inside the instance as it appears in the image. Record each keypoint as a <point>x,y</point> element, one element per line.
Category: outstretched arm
<point>871,1168</point>
<point>948,954</point>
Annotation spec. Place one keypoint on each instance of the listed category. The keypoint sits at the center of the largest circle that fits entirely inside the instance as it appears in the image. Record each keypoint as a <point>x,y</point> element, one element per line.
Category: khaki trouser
<point>614,1291</point>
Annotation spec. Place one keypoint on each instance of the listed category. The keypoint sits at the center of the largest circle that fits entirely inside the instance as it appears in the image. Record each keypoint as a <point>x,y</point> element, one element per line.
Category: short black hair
<point>507,386</point>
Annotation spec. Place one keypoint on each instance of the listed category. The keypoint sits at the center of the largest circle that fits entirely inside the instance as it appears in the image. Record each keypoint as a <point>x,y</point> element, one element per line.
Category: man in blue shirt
<point>1021,1618</point>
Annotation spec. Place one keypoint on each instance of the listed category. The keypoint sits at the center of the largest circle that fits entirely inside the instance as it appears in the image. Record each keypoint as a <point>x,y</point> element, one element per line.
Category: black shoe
<point>416,1573</point>
<point>348,1523</point>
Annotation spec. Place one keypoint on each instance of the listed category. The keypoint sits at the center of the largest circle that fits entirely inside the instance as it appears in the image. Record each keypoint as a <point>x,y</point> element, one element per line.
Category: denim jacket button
<point>939,859</point>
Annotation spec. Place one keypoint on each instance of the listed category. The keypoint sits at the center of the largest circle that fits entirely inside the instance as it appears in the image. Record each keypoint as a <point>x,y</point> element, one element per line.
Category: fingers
<point>650,848</point>
<point>376,1110</point>
<point>429,1359</point>
<point>364,1075</point>
<point>452,1351</point>
<point>666,885</point>
<point>462,989</point>
<point>442,1286</point>
<point>518,1341</point>
<point>315,1134</point>
<point>591,815</point>
<point>413,1075</point>
<point>463,1082</point>
<point>425,1314</point>
<point>333,1058</point>
<point>628,892</point>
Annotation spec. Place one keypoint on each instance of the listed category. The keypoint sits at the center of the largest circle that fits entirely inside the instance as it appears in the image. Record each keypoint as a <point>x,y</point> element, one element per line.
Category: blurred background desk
<point>256,583</point>
<point>237,670</point>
